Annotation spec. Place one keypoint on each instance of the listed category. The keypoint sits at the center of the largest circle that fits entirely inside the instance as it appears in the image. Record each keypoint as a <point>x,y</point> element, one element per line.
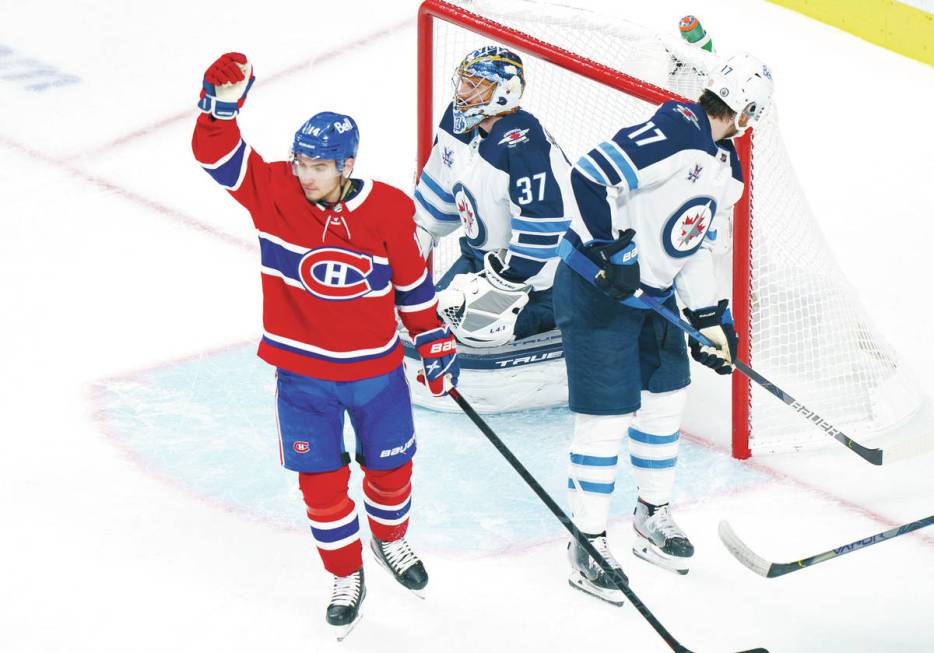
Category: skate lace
<point>346,589</point>
<point>399,555</point>
<point>603,548</point>
<point>664,523</point>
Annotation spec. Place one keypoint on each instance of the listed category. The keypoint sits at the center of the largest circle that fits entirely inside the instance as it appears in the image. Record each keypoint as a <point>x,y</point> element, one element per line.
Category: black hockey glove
<point>619,266</point>
<point>716,323</point>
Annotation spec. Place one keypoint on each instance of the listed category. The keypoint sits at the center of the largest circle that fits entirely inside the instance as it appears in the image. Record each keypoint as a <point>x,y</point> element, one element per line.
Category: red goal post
<point>432,10</point>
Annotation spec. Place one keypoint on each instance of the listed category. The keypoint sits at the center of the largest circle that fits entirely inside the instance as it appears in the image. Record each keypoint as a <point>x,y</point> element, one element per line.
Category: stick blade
<point>746,556</point>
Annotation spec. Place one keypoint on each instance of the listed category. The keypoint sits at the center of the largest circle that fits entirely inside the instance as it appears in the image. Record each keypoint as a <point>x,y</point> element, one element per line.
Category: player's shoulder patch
<point>518,132</point>
<point>518,129</point>
<point>683,122</point>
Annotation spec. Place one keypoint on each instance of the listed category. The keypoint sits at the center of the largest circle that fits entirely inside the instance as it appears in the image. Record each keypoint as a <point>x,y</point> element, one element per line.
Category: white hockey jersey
<point>510,189</point>
<point>668,180</point>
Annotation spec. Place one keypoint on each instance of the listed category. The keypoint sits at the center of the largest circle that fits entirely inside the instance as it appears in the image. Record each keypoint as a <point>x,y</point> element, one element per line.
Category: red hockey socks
<point>334,523</point>
<point>387,497</point>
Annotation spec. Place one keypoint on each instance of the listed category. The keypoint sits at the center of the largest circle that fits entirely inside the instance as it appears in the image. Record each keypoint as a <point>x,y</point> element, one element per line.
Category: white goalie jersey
<point>669,181</point>
<point>509,189</point>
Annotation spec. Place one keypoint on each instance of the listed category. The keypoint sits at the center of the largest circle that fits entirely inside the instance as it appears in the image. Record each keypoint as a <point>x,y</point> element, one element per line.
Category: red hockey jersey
<point>331,277</point>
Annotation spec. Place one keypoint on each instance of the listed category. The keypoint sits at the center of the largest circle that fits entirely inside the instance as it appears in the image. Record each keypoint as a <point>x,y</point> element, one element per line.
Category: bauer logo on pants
<point>685,230</point>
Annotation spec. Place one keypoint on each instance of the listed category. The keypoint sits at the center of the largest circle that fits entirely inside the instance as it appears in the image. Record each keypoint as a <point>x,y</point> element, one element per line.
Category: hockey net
<point>799,320</point>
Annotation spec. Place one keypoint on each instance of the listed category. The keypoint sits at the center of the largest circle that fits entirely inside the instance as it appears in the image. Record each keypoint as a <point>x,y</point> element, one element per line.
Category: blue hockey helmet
<point>488,82</point>
<point>328,135</point>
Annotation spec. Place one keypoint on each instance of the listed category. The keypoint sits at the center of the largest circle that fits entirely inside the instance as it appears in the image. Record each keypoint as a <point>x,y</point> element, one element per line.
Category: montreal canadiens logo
<point>685,230</point>
<point>301,446</point>
<point>333,273</point>
<point>466,205</point>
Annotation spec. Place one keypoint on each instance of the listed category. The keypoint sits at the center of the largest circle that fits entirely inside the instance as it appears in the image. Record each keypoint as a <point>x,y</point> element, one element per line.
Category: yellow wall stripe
<point>893,25</point>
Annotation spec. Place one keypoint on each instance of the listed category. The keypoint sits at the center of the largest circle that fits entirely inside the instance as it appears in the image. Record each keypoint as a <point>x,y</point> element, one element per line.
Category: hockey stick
<point>569,525</point>
<point>763,567</point>
<point>873,456</point>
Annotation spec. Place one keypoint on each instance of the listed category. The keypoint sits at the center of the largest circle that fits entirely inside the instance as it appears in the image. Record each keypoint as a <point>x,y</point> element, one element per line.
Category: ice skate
<point>344,610</point>
<point>587,576</point>
<point>398,558</point>
<point>659,539</point>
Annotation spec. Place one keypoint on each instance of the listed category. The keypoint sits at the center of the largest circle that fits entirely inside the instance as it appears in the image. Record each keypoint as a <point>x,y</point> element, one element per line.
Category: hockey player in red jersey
<point>339,258</point>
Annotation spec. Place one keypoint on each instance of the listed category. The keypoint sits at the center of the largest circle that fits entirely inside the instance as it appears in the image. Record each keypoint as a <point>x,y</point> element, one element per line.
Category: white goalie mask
<point>745,84</point>
<point>488,82</point>
<point>482,308</point>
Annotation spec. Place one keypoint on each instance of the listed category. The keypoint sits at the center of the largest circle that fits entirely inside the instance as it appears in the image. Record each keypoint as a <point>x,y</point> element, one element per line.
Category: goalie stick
<point>874,456</point>
<point>749,559</point>
<point>569,525</point>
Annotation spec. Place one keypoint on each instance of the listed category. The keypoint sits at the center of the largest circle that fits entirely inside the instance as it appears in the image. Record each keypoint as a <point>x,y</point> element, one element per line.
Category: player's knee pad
<point>661,412</point>
<point>325,494</point>
<point>387,499</point>
<point>388,484</point>
<point>599,433</point>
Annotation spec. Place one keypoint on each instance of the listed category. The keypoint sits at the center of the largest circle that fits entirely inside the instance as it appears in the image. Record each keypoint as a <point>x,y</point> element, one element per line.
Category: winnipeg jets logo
<point>513,137</point>
<point>691,228</point>
<point>466,205</point>
<point>694,175</point>
<point>687,227</point>
<point>447,156</point>
<point>688,115</point>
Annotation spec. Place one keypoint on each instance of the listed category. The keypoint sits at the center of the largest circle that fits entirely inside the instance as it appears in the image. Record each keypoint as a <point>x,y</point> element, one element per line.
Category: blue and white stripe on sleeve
<point>434,200</point>
<point>416,296</point>
<point>537,238</point>
<point>608,165</point>
<point>230,169</point>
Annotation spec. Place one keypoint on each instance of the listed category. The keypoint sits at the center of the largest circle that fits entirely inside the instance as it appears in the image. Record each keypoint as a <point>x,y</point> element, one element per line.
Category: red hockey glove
<point>226,83</point>
<point>439,360</point>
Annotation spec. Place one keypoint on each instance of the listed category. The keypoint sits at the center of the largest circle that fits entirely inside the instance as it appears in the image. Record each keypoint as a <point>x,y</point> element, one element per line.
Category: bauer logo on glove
<point>716,324</point>
<point>226,84</point>
<point>440,369</point>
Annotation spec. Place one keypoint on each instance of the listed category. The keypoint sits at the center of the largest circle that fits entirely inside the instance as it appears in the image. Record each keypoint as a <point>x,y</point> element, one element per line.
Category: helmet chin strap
<point>345,189</point>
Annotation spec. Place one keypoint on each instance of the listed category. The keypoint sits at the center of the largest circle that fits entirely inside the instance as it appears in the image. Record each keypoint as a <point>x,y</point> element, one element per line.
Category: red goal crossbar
<point>431,10</point>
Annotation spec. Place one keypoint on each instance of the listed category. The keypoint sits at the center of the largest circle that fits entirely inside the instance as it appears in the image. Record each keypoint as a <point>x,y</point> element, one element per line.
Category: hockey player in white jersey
<point>496,171</point>
<point>654,201</point>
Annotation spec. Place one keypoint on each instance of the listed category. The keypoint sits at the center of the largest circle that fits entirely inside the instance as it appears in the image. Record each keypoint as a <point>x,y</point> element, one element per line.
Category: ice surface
<point>143,506</point>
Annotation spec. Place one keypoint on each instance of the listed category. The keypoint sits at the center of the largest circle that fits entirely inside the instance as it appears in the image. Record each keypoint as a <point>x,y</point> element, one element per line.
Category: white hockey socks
<point>654,437</point>
<point>592,470</point>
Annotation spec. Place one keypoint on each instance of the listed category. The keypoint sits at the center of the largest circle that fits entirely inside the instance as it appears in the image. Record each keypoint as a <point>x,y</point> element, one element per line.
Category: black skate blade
<point>595,594</point>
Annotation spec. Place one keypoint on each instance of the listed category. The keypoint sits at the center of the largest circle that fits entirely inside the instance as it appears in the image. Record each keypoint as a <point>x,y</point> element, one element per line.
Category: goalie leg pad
<point>653,443</point>
<point>594,457</point>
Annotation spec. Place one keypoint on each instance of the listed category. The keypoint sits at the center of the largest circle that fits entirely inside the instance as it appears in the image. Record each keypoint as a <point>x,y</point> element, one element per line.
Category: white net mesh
<point>809,334</point>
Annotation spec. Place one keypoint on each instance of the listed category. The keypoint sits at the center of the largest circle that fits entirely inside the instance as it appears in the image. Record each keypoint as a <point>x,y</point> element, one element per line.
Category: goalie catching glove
<point>438,352</point>
<point>226,83</point>
<point>716,324</point>
<point>482,308</point>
